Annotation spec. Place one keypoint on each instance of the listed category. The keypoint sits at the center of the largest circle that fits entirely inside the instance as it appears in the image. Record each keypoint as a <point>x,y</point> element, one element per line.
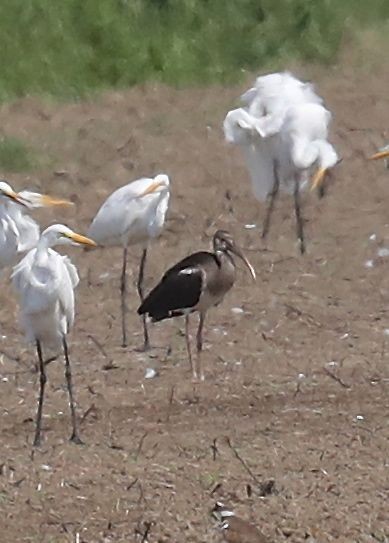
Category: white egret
<point>18,231</point>
<point>272,95</point>
<point>45,281</point>
<point>8,229</point>
<point>133,214</point>
<point>281,152</point>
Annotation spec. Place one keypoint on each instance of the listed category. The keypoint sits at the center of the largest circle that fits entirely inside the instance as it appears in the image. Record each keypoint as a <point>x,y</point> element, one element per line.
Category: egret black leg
<point>42,381</point>
<point>299,218</point>
<point>68,374</point>
<point>146,344</point>
<point>272,198</point>
<point>123,292</point>
<point>199,344</point>
<point>188,349</point>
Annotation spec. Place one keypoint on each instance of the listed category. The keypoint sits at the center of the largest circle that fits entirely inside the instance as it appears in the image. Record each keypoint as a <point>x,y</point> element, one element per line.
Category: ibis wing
<point>179,289</point>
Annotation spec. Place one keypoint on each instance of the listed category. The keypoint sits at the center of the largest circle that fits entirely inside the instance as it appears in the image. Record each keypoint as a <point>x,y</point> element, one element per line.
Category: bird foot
<point>195,378</point>
<point>74,438</point>
<point>198,378</point>
<point>146,347</point>
<point>37,441</point>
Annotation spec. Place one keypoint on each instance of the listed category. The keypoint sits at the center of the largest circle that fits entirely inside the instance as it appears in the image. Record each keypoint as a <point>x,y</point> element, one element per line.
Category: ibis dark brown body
<point>196,283</point>
<point>234,529</point>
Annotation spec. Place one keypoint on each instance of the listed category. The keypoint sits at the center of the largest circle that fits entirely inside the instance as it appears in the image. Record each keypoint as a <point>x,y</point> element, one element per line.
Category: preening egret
<point>196,283</point>
<point>45,281</point>
<point>133,214</point>
<point>18,231</point>
<point>272,95</point>
<point>283,145</point>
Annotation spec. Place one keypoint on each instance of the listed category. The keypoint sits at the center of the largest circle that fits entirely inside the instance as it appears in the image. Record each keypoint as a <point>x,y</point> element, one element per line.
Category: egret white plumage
<point>272,95</point>
<point>133,214</point>
<point>18,231</point>
<point>8,229</point>
<point>45,281</point>
<point>283,145</point>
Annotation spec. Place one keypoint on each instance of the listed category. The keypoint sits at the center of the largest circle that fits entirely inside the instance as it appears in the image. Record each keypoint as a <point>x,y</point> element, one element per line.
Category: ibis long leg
<point>199,344</point>
<point>146,344</point>
<point>123,292</point>
<point>68,374</point>
<point>299,218</point>
<point>188,349</point>
<point>42,381</point>
<point>272,199</point>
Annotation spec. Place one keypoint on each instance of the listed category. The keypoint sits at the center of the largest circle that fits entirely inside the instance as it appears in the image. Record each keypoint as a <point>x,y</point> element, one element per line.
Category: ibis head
<point>224,242</point>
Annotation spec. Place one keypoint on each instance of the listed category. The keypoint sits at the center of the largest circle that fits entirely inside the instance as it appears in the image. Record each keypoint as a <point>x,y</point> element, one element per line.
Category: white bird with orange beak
<point>45,281</point>
<point>18,231</point>
<point>283,132</point>
<point>133,214</point>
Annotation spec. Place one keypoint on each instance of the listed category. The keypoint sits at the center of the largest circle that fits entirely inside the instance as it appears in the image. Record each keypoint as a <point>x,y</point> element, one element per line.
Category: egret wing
<point>28,229</point>
<point>37,285</point>
<point>115,216</point>
<point>71,270</point>
<point>260,162</point>
<point>239,127</point>
<point>8,241</point>
<point>69,280</point>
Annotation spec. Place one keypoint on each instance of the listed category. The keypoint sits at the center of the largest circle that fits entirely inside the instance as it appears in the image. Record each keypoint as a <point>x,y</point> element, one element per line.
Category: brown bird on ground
<point>196,283</point>
<point>234,529</point>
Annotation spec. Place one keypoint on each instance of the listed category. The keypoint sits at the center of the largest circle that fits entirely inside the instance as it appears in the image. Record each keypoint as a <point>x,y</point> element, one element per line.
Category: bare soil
<point>297,383</point>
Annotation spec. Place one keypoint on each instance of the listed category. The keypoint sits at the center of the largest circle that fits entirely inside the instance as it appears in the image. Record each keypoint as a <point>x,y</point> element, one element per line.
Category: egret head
<point>159,184</point>
<point>59,234</point>
<point>224,242</point>
<point>35,199</point>
<point>8,194</point>
<point>328,158</point>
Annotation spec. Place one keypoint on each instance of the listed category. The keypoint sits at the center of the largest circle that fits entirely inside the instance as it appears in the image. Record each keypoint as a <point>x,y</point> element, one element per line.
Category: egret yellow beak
<point>48,201</point>
<point>151,188</point>
<point>318,178</point>
<point>380,154</point>
<point>82,240</point>
<point>15,197</point>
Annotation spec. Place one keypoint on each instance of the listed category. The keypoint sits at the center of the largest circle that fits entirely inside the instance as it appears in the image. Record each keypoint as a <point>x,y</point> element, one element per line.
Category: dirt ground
<point>291,426</point>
